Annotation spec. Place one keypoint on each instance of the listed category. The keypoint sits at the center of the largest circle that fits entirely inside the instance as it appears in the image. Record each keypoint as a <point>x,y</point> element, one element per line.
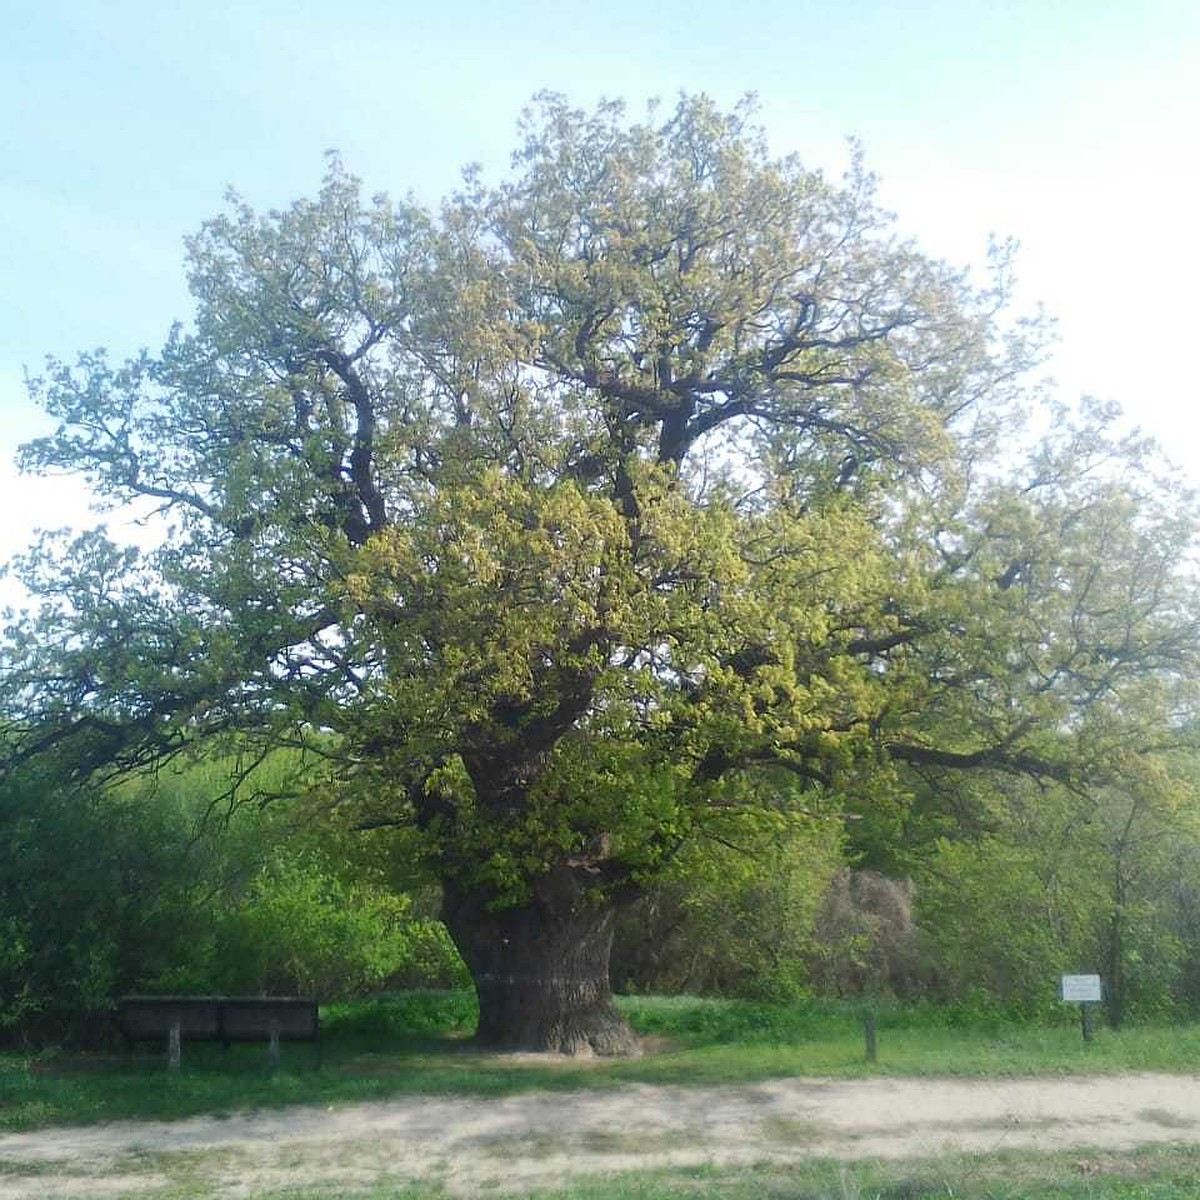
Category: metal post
<point>173,1046</point>
<point>1086,1022</point>
<point>274,1045</point>
<point>869,1034</point>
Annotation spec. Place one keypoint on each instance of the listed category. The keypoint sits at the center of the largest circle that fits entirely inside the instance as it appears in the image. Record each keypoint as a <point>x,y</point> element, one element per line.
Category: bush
<point>300,929</point>
<point>391,1016</point>
<point>736,920</point>
<point>105,892</point>
<point>865,939</point>
<point>997,934</point>
<point>97,895</point>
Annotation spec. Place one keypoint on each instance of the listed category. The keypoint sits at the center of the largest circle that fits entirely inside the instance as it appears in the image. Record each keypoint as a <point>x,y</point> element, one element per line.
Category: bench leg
<point>173,1047</point>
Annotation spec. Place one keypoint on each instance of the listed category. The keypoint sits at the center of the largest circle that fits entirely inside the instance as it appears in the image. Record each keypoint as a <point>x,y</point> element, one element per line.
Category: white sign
<point>1081,989</point>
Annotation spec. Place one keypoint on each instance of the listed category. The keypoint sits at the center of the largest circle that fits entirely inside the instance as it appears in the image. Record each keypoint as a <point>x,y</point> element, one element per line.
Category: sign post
<point>1084,990</point>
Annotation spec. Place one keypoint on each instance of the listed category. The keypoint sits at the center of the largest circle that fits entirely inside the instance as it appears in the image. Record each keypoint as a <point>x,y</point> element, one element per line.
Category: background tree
<point>1060,881</point>
<point>545,523</point>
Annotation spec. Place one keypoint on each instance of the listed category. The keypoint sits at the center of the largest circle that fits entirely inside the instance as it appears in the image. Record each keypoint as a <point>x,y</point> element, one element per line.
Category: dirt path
<point>514,1144</point>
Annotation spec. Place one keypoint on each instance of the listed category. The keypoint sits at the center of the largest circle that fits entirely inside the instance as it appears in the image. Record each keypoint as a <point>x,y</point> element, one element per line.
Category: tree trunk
<point>541,969</point>
<point>1114,985</point>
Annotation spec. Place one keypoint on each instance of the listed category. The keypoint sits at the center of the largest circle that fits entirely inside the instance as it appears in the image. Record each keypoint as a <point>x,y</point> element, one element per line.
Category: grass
<point>417,1043</point>
<point>1155,1175</point>
<point>1161,1173</point>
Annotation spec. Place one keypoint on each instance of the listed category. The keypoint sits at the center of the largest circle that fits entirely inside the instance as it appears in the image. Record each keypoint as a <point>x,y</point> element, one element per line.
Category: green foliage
<point>111,890</point>
<point>396,1016</point>
<point>298,929</point>
<point>998,932</point>
<point>733,918</point>
<point>97,895</point>
<point>1057,881</point>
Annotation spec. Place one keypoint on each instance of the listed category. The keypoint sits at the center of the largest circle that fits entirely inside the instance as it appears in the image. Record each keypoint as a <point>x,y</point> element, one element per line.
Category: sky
<point>1070,125</point>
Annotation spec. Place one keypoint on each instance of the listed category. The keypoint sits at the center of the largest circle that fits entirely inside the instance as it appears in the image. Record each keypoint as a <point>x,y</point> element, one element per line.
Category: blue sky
<point>1070,125</point>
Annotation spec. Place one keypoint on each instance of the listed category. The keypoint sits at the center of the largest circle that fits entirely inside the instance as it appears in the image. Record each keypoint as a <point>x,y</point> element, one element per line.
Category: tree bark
<point>1114,985</point>
<point>541,968</point>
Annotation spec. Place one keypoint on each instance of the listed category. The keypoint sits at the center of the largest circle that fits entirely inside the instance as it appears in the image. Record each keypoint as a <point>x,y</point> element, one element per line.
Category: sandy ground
<point>515,1144</point>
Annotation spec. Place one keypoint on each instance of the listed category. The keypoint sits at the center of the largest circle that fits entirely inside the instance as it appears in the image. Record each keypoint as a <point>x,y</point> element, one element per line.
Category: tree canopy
<point>653,491</point>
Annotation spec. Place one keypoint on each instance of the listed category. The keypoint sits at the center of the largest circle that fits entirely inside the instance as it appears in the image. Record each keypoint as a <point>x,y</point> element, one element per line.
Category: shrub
<point>865,939</point>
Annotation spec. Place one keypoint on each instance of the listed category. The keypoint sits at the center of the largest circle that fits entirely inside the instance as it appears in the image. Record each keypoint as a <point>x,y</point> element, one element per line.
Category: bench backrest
<point>220,1018</point>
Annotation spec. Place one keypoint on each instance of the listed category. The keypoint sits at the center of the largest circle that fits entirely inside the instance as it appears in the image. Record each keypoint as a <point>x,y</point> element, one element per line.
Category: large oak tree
<point>555,524</point>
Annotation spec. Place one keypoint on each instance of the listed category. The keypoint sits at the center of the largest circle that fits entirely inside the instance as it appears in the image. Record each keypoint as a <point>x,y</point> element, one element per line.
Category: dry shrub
<point>866,941</point>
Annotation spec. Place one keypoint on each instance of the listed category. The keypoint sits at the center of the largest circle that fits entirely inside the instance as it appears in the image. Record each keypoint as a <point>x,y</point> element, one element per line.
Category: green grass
<point>417,1043</point>
<point>1161,1173</point>
<point>1157,1174</point>
<point>1173,1175</point>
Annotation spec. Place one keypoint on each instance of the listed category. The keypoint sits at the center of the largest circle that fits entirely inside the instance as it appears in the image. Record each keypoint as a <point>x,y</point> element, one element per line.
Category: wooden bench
<point>222,1019</point>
